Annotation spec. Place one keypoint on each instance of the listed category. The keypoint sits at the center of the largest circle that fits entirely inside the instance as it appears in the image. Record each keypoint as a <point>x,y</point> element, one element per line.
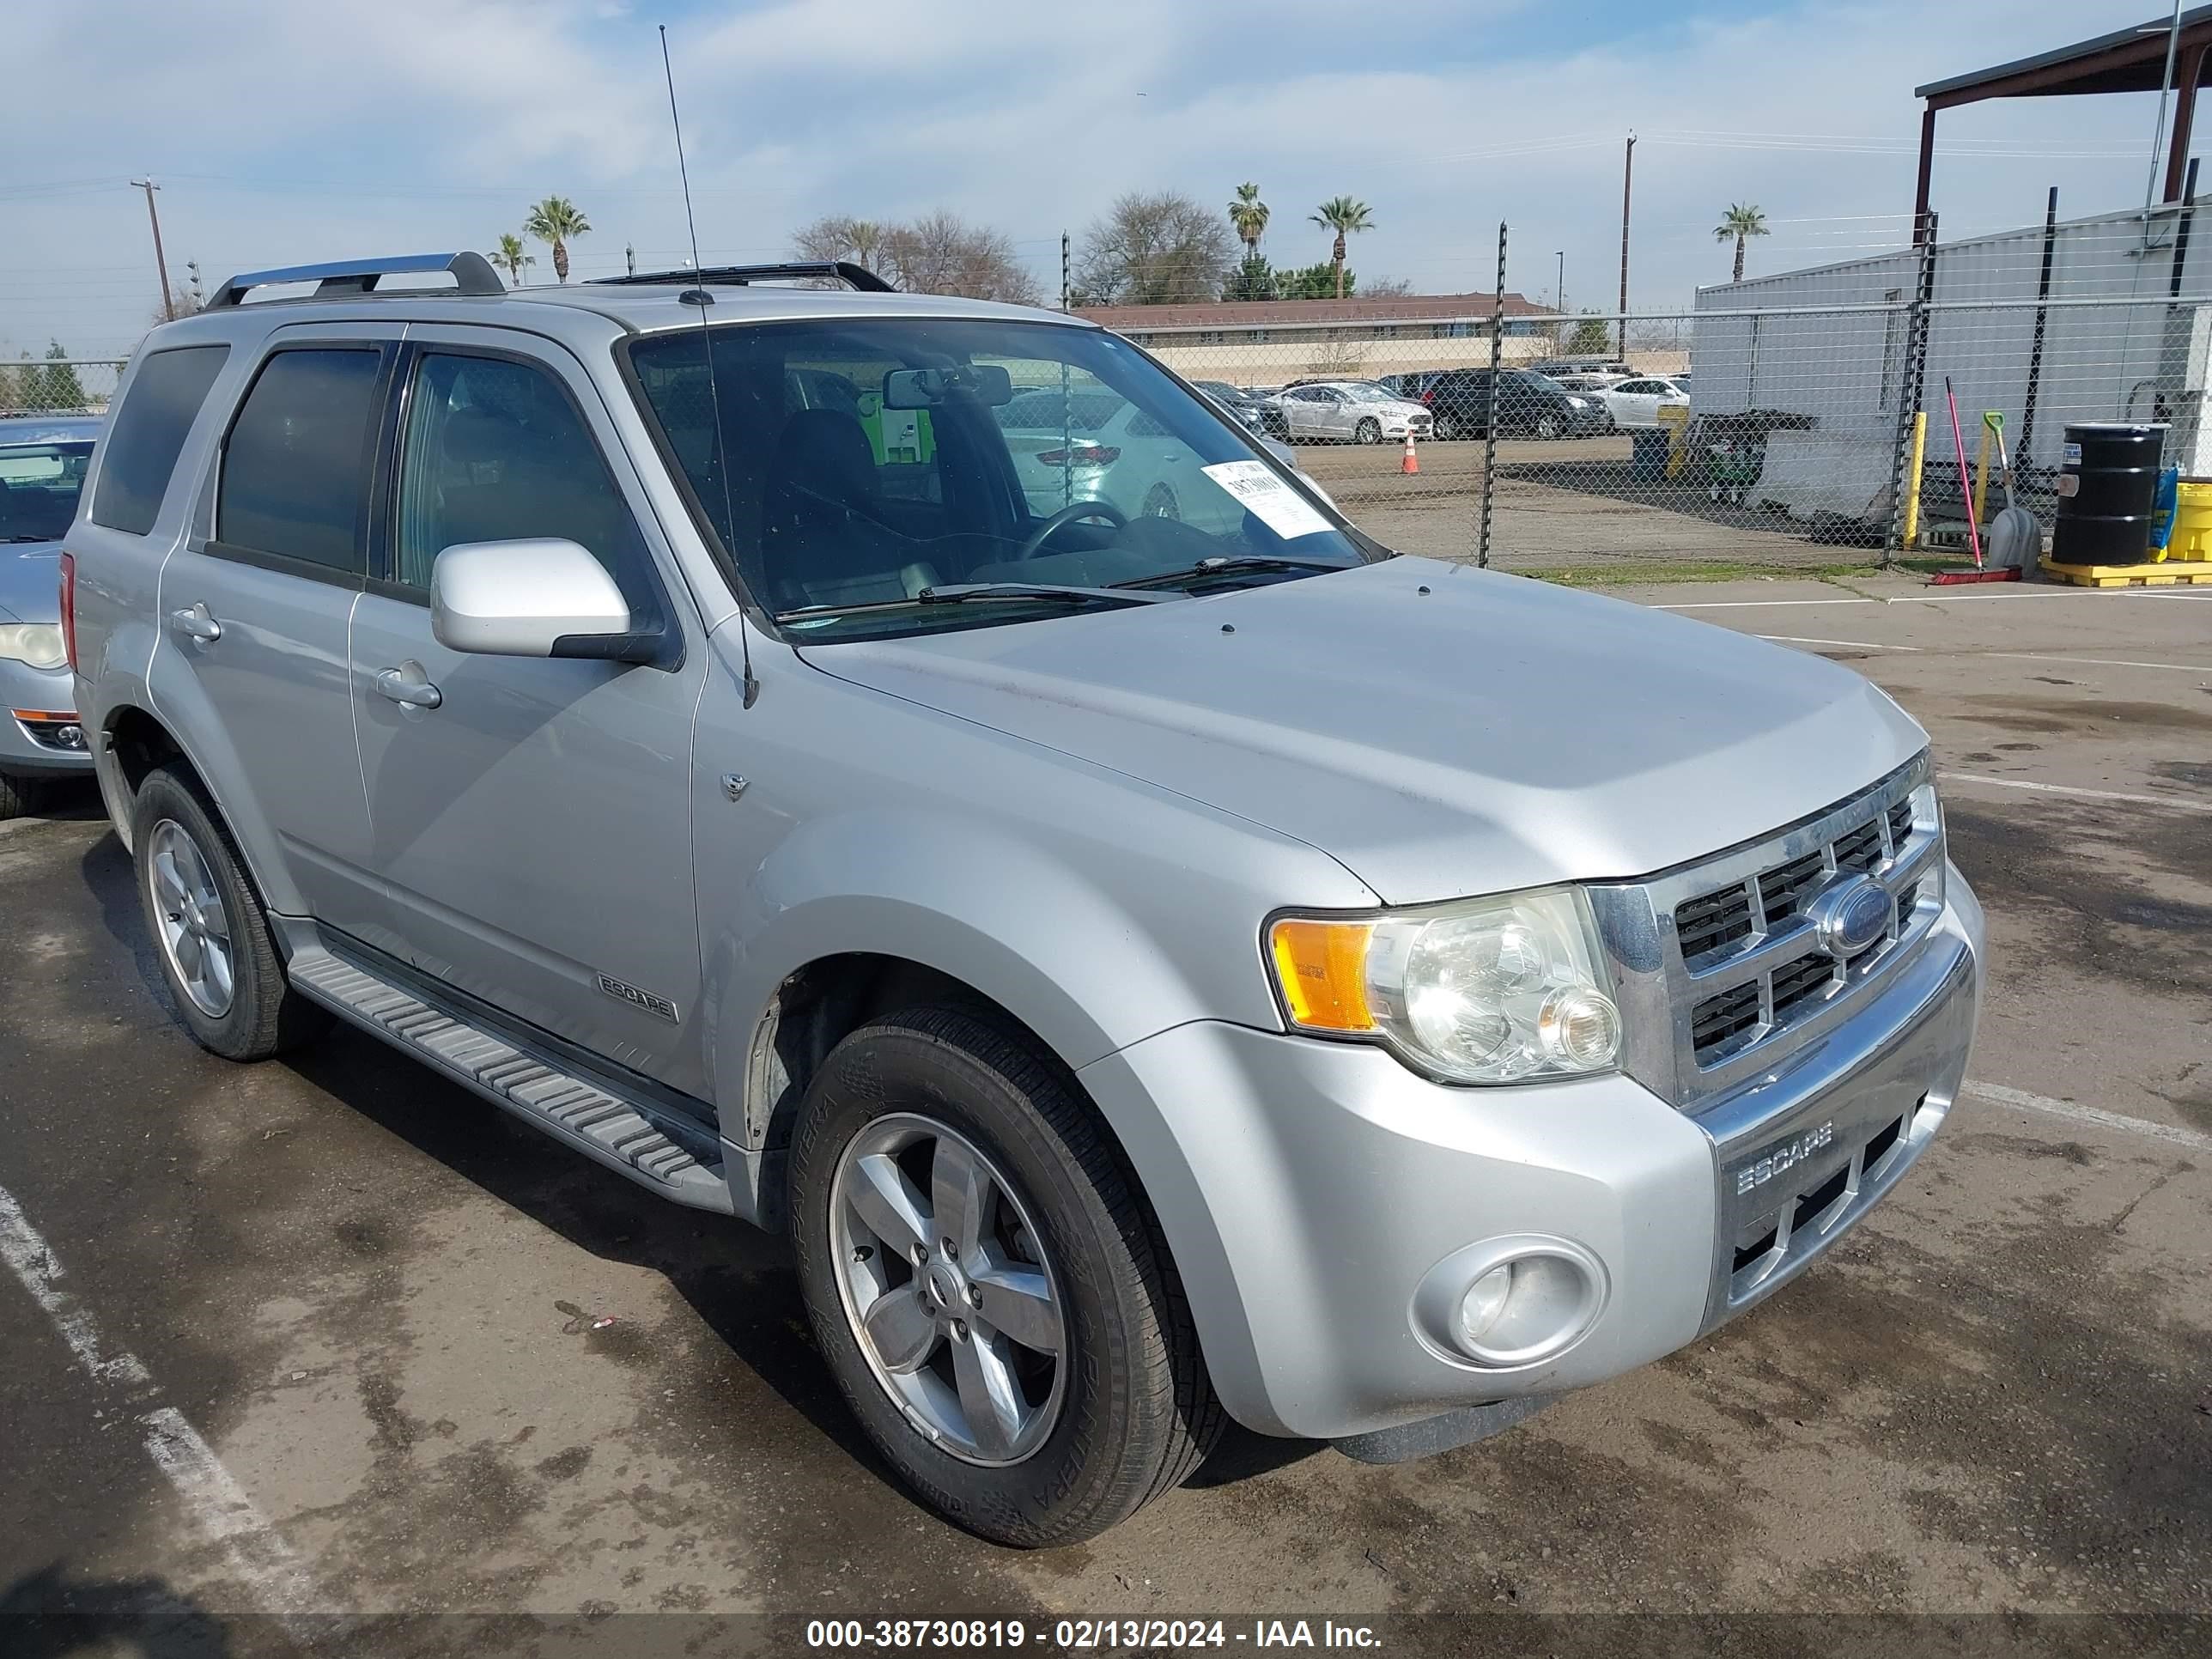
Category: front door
<point>255,606</point>
<point>531,817</point>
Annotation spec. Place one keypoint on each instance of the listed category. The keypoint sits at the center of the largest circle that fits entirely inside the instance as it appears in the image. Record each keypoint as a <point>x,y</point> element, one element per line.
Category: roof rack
<point>857,276</point>
<point>471,273</point>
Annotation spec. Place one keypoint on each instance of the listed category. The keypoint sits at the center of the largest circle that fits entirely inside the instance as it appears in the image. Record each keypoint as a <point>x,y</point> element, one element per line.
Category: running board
<point>602,1125</point>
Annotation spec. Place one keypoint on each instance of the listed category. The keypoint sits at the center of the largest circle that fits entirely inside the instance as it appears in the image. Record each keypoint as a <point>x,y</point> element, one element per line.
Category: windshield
<point>865,460</point>
<point>39,488</point>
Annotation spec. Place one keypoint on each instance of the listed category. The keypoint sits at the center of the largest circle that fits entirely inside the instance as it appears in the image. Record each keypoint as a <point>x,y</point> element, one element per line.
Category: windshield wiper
<point>961,593</point>
<point>1229,563</point>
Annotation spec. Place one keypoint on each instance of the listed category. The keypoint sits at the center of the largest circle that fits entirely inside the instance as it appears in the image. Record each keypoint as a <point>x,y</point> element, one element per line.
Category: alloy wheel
<point>947,1289</point>
<point>193,926</point>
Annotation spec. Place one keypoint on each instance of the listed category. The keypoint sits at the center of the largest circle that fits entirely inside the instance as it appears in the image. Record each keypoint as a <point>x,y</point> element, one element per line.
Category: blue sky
<point>284,131</point>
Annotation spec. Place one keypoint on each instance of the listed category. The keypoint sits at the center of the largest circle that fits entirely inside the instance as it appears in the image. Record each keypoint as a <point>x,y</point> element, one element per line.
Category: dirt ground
<point>381,1309</point>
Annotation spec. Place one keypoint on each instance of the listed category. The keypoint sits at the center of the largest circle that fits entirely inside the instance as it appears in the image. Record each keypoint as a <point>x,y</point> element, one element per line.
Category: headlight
<point>38,644</point>
<point>1489,990</point>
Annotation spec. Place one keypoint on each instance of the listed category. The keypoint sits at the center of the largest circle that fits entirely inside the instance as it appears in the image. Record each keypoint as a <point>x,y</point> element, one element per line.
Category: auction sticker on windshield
<point>1277,506</point>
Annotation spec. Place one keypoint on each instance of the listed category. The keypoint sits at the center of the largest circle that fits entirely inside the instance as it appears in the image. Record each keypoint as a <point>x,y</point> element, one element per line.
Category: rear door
<point>531,818</point>
<point>256,602</point>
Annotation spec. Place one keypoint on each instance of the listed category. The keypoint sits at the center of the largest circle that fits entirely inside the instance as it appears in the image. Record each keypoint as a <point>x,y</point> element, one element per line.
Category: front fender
<point>1034,933</point>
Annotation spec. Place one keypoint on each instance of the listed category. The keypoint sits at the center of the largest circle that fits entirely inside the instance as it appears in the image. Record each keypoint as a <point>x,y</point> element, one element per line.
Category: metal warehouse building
<point>2105,318</point>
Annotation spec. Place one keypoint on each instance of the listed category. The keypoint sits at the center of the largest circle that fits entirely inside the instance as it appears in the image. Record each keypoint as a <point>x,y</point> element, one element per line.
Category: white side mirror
<point>535,598</point>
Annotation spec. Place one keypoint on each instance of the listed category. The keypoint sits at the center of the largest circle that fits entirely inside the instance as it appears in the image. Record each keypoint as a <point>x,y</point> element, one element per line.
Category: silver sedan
<point>1353,411</point>
<point>42,467</point>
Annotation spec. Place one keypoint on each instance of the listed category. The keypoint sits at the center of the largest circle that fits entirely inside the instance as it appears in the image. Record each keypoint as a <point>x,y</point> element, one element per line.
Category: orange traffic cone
<point>1411,463</point>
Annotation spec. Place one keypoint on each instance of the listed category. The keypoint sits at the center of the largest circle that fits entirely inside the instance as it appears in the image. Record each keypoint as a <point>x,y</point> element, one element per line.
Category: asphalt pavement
<point>330,1336</point>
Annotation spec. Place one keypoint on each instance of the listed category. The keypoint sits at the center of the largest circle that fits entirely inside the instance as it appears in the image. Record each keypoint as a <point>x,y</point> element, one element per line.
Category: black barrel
<point>2107,489</point>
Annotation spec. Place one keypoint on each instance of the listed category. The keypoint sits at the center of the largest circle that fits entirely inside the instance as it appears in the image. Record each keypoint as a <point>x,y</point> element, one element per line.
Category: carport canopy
<point>2126,60</point>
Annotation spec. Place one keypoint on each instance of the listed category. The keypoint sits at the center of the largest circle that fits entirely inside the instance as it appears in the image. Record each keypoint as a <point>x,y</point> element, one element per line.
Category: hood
<point>30,582</point>
<point>1490,733</point>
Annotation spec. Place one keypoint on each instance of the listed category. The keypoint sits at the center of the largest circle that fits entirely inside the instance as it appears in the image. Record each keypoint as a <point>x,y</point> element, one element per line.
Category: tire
<point>19,797</point>
<point>1547,428</point>
<point>1446,427</point>
<point>1123,1413</point>
<point>1160,503</point>
<point>1367,432</point>
<point>183,848</point>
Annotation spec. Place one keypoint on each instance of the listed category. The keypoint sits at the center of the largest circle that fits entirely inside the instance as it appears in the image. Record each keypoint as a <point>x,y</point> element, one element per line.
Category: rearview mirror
<point>533,597</point>
<point>925,388</point>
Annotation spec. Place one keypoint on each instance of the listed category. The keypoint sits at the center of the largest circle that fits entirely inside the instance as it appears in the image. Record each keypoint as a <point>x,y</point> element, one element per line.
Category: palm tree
<point>556,219</point>
<point>1343,216</point>
<point>1740,221</point>
<point>1249,214</point>
<point>510,257</point>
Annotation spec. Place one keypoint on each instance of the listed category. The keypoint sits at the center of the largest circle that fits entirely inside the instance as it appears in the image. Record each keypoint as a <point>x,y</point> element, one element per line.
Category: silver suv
<point>1158,967</point>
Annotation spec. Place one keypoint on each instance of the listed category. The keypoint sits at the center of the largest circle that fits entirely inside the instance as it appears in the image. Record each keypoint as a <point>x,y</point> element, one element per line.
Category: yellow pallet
<point>2130,575</point>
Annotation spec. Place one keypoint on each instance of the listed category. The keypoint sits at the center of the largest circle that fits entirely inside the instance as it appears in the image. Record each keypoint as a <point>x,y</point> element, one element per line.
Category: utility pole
<point>192,281</point>
<point>1627,176</point>
<point>1063,270</point>
<point>1559,293</point>
<point>629,258</point>
<point>160,265</point>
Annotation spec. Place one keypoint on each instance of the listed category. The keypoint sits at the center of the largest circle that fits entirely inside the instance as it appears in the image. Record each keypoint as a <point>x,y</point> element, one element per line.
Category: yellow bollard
<point>1912,478</point>
<point>1676,420</point>
<point>1982,472</point>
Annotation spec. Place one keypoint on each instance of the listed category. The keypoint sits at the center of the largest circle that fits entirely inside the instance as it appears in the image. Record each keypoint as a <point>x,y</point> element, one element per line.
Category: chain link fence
<point>1797,422</point>
<point>58,385</point>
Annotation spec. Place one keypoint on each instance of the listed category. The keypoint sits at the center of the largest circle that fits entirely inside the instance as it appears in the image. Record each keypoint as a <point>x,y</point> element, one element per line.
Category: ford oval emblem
<point>1850,915</point>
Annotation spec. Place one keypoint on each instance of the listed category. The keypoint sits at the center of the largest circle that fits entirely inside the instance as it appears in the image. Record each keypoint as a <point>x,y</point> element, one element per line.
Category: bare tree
<point>181,304</point>
<point>1155,249</point>
<point>939,252</point>
<point>839,236</point>
<point>942,254</point>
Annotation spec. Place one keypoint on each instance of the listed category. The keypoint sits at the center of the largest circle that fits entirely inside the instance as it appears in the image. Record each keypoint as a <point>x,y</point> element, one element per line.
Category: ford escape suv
<point>1158,968</point>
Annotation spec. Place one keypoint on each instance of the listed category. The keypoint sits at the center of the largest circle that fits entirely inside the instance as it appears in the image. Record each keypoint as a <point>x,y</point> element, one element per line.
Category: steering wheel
<point>1067,515</point>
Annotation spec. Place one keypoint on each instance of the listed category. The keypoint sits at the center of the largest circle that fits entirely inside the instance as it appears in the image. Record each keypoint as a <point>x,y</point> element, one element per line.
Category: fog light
<point>1479,1307</point>
<point>70,737</point>
<point>1507,1303</point>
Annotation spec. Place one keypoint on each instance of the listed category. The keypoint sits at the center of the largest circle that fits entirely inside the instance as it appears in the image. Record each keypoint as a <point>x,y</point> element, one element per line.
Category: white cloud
<point>288,130</point>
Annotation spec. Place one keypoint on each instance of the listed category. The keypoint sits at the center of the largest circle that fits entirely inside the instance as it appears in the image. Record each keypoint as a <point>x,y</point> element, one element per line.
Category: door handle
<point>407,686</point>
<point>195,623</point>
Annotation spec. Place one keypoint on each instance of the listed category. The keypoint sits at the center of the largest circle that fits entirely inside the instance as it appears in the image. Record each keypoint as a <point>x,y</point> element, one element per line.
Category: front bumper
<point>1309,1188</point>
<point>35,745</point>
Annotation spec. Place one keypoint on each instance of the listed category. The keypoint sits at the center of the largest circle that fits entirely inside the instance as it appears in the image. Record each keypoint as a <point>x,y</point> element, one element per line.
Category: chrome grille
<point>1720,970</point>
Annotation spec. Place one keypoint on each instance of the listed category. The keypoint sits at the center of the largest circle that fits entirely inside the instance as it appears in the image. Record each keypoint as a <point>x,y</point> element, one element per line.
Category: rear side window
<point>148,432</point>
<point>295,468</point>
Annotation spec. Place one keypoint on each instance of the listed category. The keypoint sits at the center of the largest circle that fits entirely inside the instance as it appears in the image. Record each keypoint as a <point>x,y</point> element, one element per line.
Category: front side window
<point>149,433</point>
<point>865,460</point>
<point>493,451</point>
<point>295,466</point>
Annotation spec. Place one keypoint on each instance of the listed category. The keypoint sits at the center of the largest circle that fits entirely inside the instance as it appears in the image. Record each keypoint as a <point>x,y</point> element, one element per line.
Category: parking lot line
<point>2096,1115</point>
<point>1903,598</point>
<point>218,1506</point>
<point>2083,662</point>
<point>2176,804</point>
<point>1855,645</point>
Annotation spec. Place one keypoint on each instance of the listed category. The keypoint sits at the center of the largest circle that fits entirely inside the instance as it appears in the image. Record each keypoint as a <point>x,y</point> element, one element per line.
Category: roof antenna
<point>701,298</point>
